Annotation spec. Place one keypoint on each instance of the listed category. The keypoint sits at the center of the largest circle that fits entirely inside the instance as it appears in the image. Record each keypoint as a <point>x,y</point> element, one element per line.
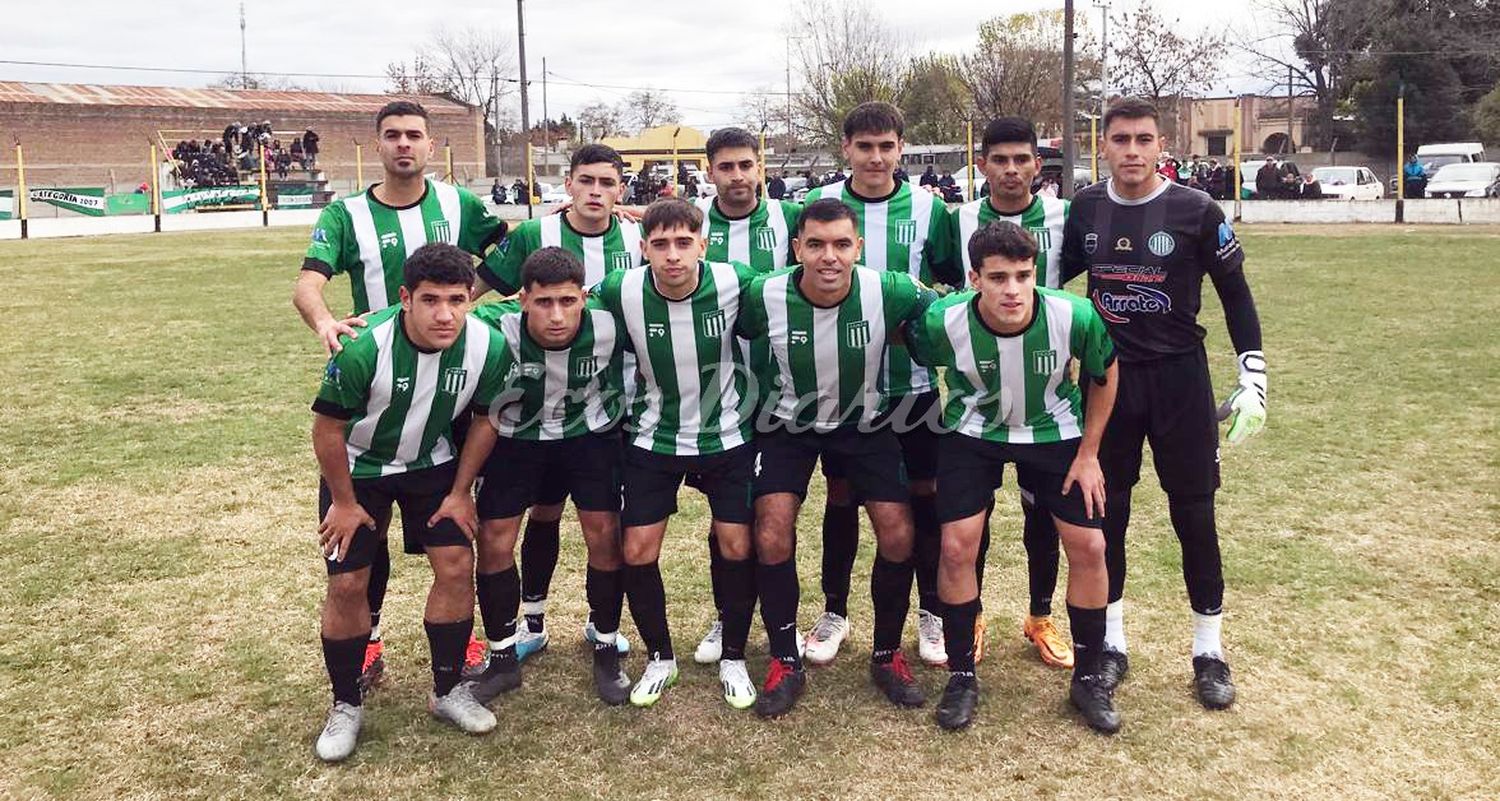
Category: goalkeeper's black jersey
<point>1146,260</point>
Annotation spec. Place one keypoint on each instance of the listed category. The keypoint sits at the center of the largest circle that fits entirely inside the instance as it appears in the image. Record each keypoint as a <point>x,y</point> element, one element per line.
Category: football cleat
<point>1211,682</point>
<point>1050,644</point>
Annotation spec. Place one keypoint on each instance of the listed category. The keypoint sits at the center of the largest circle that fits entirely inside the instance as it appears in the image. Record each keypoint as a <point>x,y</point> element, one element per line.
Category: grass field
<point>159,585</point>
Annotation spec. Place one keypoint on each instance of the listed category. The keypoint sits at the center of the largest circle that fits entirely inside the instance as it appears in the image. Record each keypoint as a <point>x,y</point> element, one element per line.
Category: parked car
<point>1436,156</point>
<point>1250,167</point>
<point>553,194</point>
<point>1478,179</point>
<point>1349,183</point>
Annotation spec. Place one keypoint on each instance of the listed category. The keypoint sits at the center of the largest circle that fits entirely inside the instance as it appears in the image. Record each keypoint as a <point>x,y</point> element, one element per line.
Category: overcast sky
<point>668,44</point>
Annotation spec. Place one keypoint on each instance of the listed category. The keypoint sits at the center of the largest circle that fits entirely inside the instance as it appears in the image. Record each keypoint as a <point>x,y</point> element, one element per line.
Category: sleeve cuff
<point>1099,379</point>
<point>317,266</point>
<point>328,408</point>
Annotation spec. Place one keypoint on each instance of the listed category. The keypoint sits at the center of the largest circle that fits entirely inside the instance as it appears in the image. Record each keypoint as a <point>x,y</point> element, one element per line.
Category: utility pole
<point>546,118</point>
<point>1065,181</point>
<point>244,64</point>
<point>1289,147</point>
<point>1103,59</point>
<point>788,92</point>
<point>525,109</point>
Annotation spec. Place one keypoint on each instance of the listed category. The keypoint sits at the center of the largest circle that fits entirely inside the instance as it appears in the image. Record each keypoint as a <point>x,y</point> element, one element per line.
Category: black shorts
<point>970,469</point>
<point>523,472</point>
<point>418,494</point>
<point>1169,402</point>
<point>652,480</point>
<point>870,460</point>
<point>916,419</point>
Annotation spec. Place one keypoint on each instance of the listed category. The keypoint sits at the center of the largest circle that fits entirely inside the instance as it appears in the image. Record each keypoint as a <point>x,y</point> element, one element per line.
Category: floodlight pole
<point>525,107</point>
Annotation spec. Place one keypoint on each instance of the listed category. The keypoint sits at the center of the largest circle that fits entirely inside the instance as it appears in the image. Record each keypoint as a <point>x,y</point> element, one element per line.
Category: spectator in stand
<point>1268,180</point>
<point>929,177</point>
<point>231,136</point>
<point>297,153</point>
<point>1168,168</point>
<point>310,148</point>
<point>776,187</point>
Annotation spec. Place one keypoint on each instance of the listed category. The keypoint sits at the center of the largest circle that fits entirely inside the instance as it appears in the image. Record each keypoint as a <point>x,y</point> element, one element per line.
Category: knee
<point>959,548</point>
<point>735,549</point>
<point>638,551</point>
<point>452,567</point>
<point>348,589</point>
<point>1085,548</point>
<point>772,548</point>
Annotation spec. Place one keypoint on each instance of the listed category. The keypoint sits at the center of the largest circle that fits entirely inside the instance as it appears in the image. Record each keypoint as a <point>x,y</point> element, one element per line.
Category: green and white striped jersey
<point>909,231</point>
<point>690,398</point>
<point>559,392</point>
<point>618,247</point>
<point>400,402</point>
<point>762,239</point>
<point>370,241</point>
<point>1043,218</point>
<point>829,359</point>
<point>1014,388</point>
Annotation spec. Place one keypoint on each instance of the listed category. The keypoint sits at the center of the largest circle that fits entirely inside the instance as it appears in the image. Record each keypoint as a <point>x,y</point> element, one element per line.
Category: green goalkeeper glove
<point>1245,408</point>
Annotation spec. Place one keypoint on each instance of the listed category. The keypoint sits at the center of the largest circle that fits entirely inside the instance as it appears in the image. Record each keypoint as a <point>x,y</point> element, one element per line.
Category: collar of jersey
<point>426,187</point>
<point>1036,303</point>
<point>651,282</point>
<point>797,286</point>
<point>1160,190</point>
<point>849,187</point>
<point>747,215</point>
<point>607,228</point>
<point>1036,200</point>
<point>401,326</point>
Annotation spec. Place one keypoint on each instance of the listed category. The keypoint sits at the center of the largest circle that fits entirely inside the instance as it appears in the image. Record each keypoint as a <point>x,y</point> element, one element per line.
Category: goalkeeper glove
<point>1245,408</point>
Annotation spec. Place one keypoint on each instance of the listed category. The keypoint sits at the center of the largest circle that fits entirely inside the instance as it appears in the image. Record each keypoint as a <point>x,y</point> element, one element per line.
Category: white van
<point>1431,157</point>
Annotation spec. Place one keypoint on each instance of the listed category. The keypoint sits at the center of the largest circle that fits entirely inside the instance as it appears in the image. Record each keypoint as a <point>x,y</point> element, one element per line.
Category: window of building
<point>1218,145</point>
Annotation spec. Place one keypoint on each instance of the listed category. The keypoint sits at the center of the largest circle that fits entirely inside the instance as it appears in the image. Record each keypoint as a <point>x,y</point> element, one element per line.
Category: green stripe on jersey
<point>690,398</point>
<point>908,232</point>
<point>828,360</point>
<point>403,400</point>
<point>370,241</point>
<point>618,247</point>
<point>1043,218</point>
<point>563,392</point>
<point>1015,388</point>
<point>763,239</point>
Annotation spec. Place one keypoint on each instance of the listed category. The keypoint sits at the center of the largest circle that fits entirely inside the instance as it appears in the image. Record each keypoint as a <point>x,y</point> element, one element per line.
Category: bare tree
<point>1017,68</point>
<point>598,120</point>
<point>1159,64</point>
<point>846,54</point>
<point>476,67</point>
<point>764,110</point>
<point>414,78</point>
<point>648,108</point>
<point>257,80</point>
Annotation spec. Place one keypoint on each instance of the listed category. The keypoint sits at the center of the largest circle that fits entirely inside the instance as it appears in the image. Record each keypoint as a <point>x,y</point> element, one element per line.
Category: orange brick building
<point>91,135</point>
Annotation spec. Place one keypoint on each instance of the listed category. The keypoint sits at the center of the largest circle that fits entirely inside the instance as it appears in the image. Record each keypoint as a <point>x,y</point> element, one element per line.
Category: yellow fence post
<point>1094,139</point>
<point>1235,166</point>
<point>530,180</point>
<point>155,191</point>
<point>21,196</point>
<point>359,168</point>
<point>448,157</point>
<point>1401,146</point>
<point>265,205</point>
<point>971,190</point>
<point>765,190</point>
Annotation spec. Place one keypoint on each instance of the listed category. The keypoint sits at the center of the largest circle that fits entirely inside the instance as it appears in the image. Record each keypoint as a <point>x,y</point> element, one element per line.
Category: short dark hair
<point>730,137</point>
<point>596,154</point>
<point>671,212</point>
<point>438,263</point>
<point>1005,130</point>
<point>1004,239</point>
<point>400,108</point>
<point>1131,108</point>
<point>826,210</point>
<point>873,117</point>
<point>551,266</point>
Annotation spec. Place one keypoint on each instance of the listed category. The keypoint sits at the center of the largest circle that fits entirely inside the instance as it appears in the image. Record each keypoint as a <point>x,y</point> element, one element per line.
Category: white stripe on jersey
<point>604,348</point>
<point>453,211</point>
<point>775,294</point>
<point>362,433</point>
<point>476,352</point>
<point>872,306</point>
<point>776,219</point>
<point>424,387</point>
<point>630,237</point>
<point>921,216</point>
<point>825,341</point>
<point>1055,212</point>
<point>549,231</point>
<point>727,285</point>
<point>968,223</point>
<point>685,365</point>
<point>631,297</point>
<point>956,326</point>
<point>369,249</point>
<point>1060,336</point>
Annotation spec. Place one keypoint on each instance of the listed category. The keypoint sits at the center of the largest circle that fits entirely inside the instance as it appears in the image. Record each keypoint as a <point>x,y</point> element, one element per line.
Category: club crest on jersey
<point>439,231</point>
<point>797,336</point>
<point>403,383</point>
<point>331,374</point>
<point>621,260</point>
<point>654,330</point>
<point>585,366</point>
<point>713,323</point>
<point>389,239</point>
<point>453,380</point>
<point>906,232</point>
<point>765,239</point>
<point>1090,243</point>
<point>319,236</point>
<point>857,333</point>
<point>1044,362</point>
<point>1043,236</point>
<point>1161,244</point>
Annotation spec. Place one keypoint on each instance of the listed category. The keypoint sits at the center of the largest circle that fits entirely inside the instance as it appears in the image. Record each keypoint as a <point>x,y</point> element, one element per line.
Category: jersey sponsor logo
<point>454,379</point>
<point>439,231</point>
<point>857,333</point>
<point>319,236</point>
<point>713,323</point>
<point>765,239</point>
<point>1161,244</point>
<point>1123,244</point>
<point>621,260</point>
<point>986,366</point>
<point>403,383</point>
<point>1115,307</point>
<point>797,336</point>
<point>389,239</point>
<point>1043,236</point>
<point>654,330</point>
<point>529,370</point>
<point>331,374</point>
<point>906,232</point>
<point>585,366</point>
<point>1129,272</point>
<point>716,238</point>
<point>1090,243</point>
<point>1228,243</point>
<point>1044,362</point>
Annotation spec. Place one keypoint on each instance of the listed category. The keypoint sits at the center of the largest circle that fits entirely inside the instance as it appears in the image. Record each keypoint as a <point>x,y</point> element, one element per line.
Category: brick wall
<point>83,145</point>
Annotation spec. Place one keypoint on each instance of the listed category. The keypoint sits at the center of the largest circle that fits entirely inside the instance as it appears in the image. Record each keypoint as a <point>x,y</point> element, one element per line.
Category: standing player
<point>1008,348</point>
<point>383,433</point>
<point>1009,161</point>
<point>907,231</point>
<point>740,226</point>
<point>1146,244</point>
<point>369,236</point>
<point>690,416</point>
<point>590,231</point>
<point>829,324</point>
<point>562,427</point>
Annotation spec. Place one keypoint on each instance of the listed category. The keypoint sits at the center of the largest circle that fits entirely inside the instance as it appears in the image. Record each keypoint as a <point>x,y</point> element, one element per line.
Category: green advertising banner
<point>7,204</point>
<point>177,201</point>
<point>298,198</point>
<point>83,200</point>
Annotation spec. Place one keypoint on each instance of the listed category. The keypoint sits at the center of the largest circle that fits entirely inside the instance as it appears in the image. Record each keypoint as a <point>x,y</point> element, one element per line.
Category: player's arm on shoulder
<point>501,268</point>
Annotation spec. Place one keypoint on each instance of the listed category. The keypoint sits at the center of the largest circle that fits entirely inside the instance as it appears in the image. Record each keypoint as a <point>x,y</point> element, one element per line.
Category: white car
<point>1477,179</point>
<point>554,194</point>
<point>1349,183</point>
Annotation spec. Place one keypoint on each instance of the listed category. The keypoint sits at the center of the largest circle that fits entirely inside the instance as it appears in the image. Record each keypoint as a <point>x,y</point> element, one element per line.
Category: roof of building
<point>183,97</point>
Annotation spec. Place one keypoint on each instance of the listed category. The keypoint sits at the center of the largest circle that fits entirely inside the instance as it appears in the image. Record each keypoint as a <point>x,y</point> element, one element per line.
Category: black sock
<point>648,607</point>
<point>984,545</point>
<point>927,550</point>
<point>779,595</point>
<point>958,634</point>
<point>539,547</point>
<point>716,572</point>
<point>447,641</point>
<point>1087,627</point>
<point>738,577</point>
<point>1202,566</point>
<point>890,590</point>
<point>1115,523</point>
<point>1039,534</point>
<point>380,576</point>
<point>605,590</point>
<point>344,658</point>
<point>499,601</point>
<point>840,546</point>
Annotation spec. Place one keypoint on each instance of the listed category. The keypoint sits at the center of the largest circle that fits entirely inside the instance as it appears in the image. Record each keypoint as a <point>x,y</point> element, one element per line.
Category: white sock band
<point>1114,626</point>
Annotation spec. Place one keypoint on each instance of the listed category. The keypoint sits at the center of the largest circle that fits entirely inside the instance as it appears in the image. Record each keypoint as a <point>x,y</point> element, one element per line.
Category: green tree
<point>1487,116</point>
<point>935,100</point>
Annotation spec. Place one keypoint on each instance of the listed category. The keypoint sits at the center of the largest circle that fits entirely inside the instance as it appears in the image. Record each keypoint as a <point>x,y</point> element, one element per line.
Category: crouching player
<point>1008,346</point>
<point>383,434</point>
